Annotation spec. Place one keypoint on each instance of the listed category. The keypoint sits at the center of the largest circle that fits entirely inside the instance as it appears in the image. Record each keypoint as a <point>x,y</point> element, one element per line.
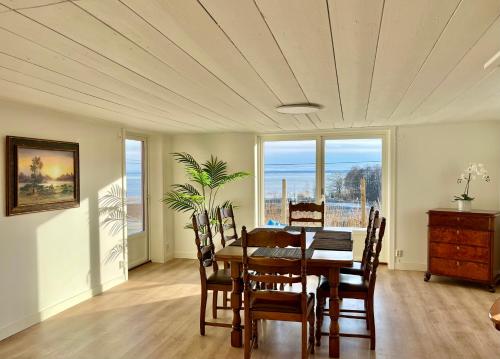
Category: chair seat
<point>290,303</point>
<point>348,283</point>
<point>355,269</point>
<point>222,276</point>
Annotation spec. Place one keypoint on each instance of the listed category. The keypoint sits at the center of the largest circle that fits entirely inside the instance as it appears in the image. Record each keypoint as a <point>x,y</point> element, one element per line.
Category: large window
<point>344,171</point>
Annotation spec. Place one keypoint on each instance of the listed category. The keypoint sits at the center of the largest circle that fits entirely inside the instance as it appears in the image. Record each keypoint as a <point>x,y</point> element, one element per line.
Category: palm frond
<point>233,177</point>
<point>216,169</point>
<point>187,160</point>
<point>226,204</point>
<point>200,177</point>
<point>182,202</point>
<point>186,189</point>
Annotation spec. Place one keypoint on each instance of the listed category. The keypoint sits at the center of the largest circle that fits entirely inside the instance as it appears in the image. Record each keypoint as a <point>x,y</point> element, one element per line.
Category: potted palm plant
<point>200,193</point>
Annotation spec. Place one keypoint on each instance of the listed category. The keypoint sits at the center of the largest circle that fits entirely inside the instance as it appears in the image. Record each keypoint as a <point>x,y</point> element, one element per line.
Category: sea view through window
<point>351,178</point>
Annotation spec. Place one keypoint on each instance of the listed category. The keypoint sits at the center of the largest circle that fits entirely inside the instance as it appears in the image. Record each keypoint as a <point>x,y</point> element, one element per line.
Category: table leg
<point>236,333</point>
<point>334,343</point>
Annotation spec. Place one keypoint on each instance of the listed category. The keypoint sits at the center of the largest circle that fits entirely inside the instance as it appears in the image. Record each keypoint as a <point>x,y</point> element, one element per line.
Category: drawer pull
<point>458,232</point>
<point>458,263</point>
<point>458,248</point>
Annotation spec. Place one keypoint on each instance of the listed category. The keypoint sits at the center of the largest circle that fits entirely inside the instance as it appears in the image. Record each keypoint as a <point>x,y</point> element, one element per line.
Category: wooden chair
<point>225,219</point>
<point>358,267</point>
<point>495,314</point>
<point>218,280</point>
<point>356,287</point>
<point>306,207</point>
<point>273,304</point>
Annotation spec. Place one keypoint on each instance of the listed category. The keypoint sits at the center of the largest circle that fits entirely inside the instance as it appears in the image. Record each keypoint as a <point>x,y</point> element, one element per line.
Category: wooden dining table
<point>322,262</point>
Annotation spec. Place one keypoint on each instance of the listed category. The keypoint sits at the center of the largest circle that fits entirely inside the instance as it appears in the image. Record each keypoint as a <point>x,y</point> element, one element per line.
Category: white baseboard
<point>185,254</point>
<point>45,313</point>
<point>410,266</point>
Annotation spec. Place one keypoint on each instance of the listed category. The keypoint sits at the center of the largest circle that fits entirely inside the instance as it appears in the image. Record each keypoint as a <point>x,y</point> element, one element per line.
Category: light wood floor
<point>155,315</point>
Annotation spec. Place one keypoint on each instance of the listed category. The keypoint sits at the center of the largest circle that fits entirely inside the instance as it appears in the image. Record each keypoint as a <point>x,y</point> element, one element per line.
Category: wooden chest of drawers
<point>464,245</point>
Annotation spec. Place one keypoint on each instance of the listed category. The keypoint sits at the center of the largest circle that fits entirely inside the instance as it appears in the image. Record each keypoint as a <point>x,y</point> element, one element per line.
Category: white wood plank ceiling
<point>225,65</point>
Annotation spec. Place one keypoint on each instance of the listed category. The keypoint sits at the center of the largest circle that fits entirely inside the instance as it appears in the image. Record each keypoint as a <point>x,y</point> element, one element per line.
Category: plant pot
<point>464,205</point>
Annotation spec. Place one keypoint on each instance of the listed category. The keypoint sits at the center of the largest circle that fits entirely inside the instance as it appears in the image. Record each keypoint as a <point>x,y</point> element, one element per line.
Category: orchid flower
<point>473,171</point>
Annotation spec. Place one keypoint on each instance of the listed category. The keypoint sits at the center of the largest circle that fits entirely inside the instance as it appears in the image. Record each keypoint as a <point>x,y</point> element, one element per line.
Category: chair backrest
<point>227,224</point>
<point>306,207</point>
<point>375,246</point>
<point>270,270</point>
<point>368,233</point>
<point>204,242</point>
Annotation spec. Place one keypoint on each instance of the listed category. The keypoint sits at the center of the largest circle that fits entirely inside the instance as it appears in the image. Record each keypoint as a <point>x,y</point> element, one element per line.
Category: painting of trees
<point>36,173</point>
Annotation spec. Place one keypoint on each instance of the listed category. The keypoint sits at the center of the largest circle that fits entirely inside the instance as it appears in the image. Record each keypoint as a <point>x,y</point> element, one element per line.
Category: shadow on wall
<point>46,255</point>
<point>113,216</point>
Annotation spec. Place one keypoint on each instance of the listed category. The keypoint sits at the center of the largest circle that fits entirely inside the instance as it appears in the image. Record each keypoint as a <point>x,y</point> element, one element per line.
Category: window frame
<point>386,135</point>
<point>260,179</point>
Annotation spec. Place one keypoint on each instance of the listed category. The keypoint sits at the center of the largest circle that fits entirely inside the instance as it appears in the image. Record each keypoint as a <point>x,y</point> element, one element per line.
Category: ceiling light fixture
<point>298,108</point>
<point>493,61</point>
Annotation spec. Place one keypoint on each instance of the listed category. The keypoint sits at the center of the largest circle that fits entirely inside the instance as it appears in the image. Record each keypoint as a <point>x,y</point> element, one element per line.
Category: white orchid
<point>473,171</point>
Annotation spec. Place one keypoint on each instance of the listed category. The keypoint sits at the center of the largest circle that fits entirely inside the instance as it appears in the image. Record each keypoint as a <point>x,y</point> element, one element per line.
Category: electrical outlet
<point>121,264</point>
<point>399,253</point>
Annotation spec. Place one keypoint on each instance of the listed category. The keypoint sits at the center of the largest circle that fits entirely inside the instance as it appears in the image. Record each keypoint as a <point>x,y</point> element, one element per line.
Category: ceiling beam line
<point>142,48</point>
<point>168,119</point>
<point>308,115</point>
<point>83,82</point>
<point>375,58</point>
<point>194,59</point>
<point>121,65</point>
<point>82,102</point>
<point>454,67</point>
<point>281,50</point>
<point>431,51</point>
<point>334,58</point>
<point>248,62</point>
<point>36,6</point>
<point>104,74</point>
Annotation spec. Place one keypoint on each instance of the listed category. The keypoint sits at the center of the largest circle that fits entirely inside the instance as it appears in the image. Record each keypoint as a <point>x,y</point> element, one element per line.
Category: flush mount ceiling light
<point>298,108</point>
<point>494,61</point>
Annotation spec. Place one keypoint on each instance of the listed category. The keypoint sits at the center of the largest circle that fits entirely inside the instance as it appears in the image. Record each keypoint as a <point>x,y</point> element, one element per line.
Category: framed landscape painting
<point>42,175</point>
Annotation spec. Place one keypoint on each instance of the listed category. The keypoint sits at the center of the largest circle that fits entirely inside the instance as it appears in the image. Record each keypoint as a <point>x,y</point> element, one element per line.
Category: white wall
<point>429,160</point>
<point>238,151</point>
<point>52,260</point>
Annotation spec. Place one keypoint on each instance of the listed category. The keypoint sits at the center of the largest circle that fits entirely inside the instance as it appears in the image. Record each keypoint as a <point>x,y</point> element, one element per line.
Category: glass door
<point>136,174</point>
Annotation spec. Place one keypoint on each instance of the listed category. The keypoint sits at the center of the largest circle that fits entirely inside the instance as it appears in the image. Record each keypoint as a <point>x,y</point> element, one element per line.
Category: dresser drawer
<point>472,270</point>
<point>481,223</point>
<point>443,234</point>
<point>465,237</point>
<point>462,269</point>
<point>459,252</point>
<point>443,266</point>
<point>474,238</point>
